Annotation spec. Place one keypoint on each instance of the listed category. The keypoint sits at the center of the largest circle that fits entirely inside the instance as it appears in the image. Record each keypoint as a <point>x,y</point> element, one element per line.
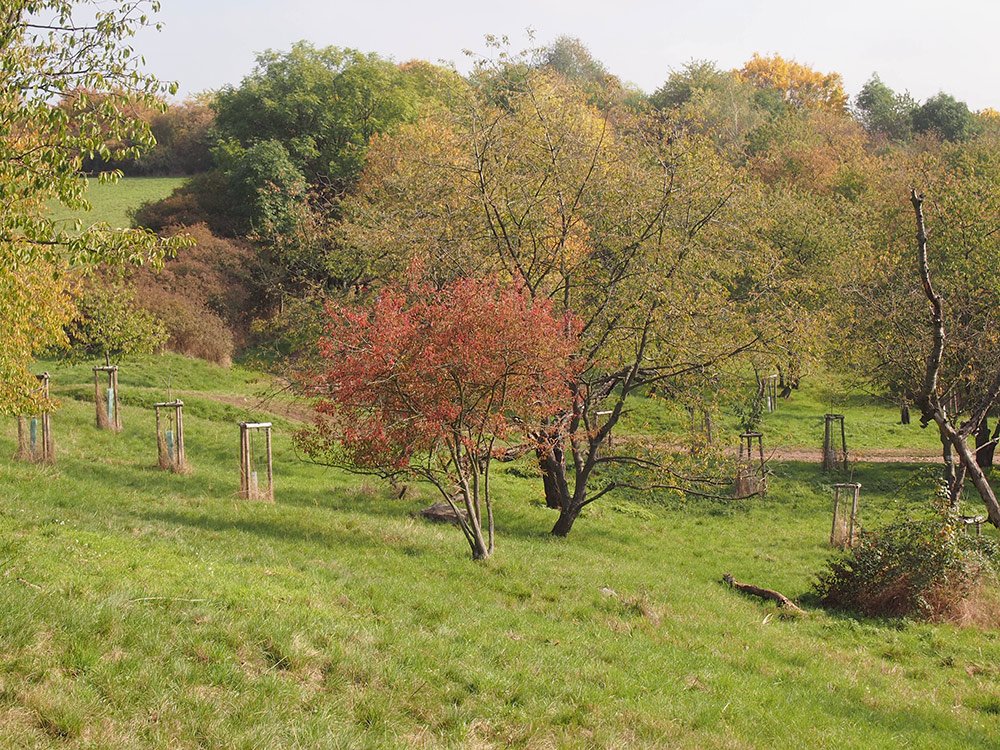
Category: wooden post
<point>845,522</point>
<point>34,432</point>
<point>170,448</point>
<point>833,458</point>
<point>750,481</point>
<point>270,465</point>
<point>771,392</point>
<point>107,403</point>
<point>250,488</point>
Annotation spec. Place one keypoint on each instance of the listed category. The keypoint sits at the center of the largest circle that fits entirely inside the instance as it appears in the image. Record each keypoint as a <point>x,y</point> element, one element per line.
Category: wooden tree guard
<point>109,413</point>
<point>771,392</point>
<point>904,411</point>
<point>34,433</point>
<point>250,486</point>
<point>750,480</point>
<point>832,457</point>
<point>845,517</point>
<point>699,430</point>
<point>973,522</point>
<point>170,436</point>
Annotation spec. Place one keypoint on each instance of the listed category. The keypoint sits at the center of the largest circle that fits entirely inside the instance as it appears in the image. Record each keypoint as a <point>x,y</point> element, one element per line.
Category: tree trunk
<point>479,551</point>
<point>930,406</point>
<point>985,445</point>
<point>564,524</point>
<point>949,460</point>
<point>553,478</point>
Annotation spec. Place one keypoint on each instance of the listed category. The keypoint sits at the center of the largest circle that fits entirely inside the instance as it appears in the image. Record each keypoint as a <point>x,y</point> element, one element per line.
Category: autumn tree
<point>620,218</point>
<point>718,103</point>
<point>931,396</point>
<point>49,48</point>
<point>434,383</point>
<point>798,84</point>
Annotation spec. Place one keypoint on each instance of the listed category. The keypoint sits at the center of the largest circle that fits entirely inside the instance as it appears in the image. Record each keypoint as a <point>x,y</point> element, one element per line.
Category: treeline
<point>278,166</point>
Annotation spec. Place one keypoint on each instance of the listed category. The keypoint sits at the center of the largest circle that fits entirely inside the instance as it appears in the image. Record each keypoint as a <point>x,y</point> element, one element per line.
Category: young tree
<point>49,48</point>
<point>110,325</point>
<point>434,383</point>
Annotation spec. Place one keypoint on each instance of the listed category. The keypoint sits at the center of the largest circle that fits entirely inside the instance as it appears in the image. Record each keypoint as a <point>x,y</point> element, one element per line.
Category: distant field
<point>114,203</point>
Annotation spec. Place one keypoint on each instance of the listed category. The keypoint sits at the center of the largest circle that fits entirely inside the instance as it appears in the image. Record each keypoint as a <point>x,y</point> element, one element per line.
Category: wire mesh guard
<point>256,464</point>
<point>846,526</point>
<point>109,414</point>
<point>170,436</point>
<point>34,431</point>
<point>834,456</point>
<point>751,470</point>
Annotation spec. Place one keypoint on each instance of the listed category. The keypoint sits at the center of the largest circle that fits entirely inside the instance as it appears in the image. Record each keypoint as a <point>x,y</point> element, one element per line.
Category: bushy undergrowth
<point>926,568</point>
<point>202,296</point>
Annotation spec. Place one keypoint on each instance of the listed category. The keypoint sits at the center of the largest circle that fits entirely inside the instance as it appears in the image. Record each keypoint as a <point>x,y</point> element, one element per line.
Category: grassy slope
<point>870,422</point>
<point>113,203</point>
<point>140,609</point>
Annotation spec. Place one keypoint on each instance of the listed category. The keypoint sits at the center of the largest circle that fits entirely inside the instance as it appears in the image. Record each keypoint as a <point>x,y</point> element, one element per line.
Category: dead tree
<point>932,399</point>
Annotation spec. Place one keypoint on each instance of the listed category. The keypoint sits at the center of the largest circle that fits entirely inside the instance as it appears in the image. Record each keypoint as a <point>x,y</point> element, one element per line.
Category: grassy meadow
<point>144,609</point>
<point>113,203</point>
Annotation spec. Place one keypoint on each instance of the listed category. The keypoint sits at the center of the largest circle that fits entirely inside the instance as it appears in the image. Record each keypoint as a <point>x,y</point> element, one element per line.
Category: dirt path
<point>871,455</point>
<point>297,411</point>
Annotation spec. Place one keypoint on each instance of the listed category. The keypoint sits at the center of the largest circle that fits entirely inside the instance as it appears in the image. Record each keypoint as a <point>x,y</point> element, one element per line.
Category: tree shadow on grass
<point>282,529</point>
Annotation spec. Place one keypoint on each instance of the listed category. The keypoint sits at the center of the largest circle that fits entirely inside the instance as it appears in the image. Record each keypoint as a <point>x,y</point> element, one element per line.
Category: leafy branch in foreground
<point>50,51</point>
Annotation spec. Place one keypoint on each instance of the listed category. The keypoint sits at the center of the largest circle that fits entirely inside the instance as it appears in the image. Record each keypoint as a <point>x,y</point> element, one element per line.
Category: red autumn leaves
<point>454,371</point>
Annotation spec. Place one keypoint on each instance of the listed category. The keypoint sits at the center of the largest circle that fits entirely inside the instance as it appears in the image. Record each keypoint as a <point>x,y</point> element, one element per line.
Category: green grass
<point>114,203</point>
<point>144,609</point>
<point>871,423</point>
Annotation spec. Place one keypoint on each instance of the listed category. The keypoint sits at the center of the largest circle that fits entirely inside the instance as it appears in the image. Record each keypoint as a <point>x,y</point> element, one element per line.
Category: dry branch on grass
<point>783,601</point>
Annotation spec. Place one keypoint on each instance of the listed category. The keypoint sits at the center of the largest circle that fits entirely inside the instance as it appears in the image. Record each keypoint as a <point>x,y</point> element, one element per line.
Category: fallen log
<point>747,588</point>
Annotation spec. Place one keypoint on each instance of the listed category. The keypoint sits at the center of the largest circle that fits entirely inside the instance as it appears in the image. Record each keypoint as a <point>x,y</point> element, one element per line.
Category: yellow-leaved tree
<point>50,49</point>
<point>798,84</point>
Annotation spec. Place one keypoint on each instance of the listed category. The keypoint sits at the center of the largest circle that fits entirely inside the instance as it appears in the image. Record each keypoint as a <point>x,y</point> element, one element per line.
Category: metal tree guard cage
<point>751,480</point>
<point>170,435</point>
<point>109,413</point>
<point>833,457</point>
<point>845,516</point>
<point>34,432</point>
<point>252,455</point>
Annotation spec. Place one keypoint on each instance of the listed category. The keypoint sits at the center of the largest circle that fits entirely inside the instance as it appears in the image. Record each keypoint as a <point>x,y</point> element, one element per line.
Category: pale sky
<point>917,45</point>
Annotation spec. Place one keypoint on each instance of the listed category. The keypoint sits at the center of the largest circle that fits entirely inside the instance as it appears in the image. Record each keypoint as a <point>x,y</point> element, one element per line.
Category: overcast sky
<point>917,45</point>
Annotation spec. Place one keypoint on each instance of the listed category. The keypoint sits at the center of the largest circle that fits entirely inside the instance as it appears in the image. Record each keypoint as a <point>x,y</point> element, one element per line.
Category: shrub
<point>923,568</point>
<point>191,328</point>
<point>214,273</point>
